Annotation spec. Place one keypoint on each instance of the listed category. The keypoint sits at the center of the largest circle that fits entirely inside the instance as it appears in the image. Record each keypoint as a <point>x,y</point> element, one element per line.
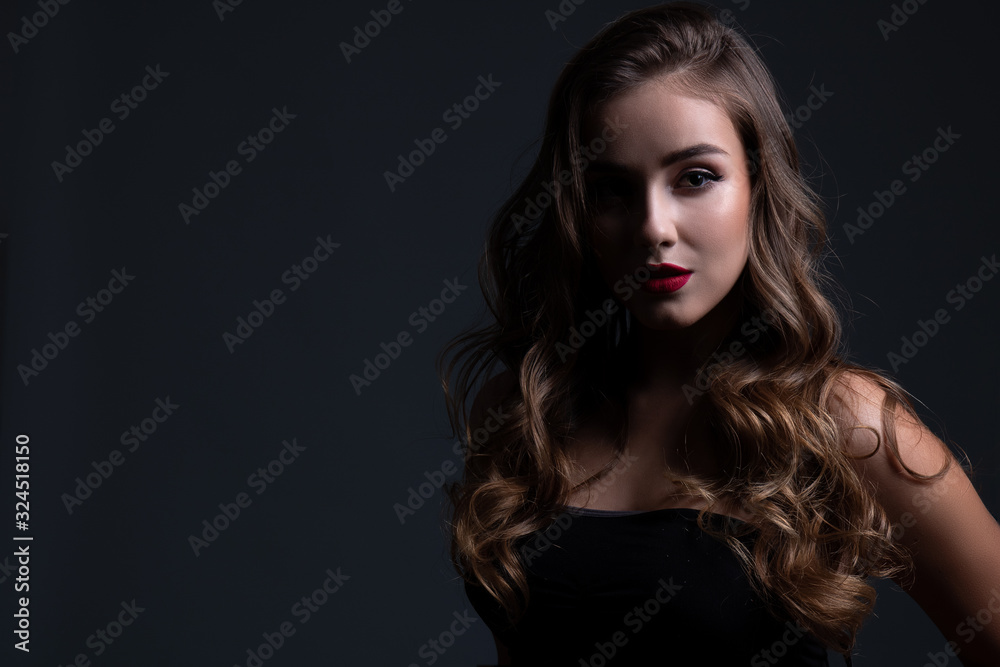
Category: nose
<point>657,221</point>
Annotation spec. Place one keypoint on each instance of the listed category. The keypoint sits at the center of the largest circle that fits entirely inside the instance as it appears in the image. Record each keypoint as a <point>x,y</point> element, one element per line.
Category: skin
<point>692,212</point>
<point>954,539</point>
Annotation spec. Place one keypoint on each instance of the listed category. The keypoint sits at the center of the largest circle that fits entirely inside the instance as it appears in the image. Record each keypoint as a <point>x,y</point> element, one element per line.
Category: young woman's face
<point>673,187</point>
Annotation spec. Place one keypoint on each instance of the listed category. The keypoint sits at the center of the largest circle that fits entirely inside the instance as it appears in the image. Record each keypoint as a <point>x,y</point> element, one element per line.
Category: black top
<point>641,588</point>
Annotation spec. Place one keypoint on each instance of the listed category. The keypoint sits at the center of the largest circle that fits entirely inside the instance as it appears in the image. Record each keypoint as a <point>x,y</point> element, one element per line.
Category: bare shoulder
<point>942,522</point>
<point>858,403</point>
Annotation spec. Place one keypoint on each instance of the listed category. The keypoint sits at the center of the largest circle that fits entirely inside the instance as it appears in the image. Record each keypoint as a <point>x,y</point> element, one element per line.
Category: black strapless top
<point>641,588</point>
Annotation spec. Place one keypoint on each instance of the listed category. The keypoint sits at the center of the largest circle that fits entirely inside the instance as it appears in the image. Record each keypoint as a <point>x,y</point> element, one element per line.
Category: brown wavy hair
<point>821,531</point>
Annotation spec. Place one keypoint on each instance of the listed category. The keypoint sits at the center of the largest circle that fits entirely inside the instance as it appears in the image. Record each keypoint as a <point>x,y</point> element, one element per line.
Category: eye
<point>607,190</point>
<point>700,179</point>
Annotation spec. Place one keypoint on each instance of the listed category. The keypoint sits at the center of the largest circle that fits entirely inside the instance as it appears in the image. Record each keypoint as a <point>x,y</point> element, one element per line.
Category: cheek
<point>728,231</point>
<point>607,239</point>
<point>599,243</point>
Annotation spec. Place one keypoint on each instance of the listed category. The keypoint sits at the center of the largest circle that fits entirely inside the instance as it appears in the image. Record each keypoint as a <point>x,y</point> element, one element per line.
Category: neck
<point>663,361</point>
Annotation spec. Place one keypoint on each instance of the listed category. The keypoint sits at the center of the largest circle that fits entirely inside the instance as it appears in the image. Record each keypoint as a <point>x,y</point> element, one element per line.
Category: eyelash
<point>711,179</point>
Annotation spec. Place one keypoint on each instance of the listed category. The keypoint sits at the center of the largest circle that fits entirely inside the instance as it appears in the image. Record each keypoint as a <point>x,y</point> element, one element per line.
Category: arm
<point>954,540</point>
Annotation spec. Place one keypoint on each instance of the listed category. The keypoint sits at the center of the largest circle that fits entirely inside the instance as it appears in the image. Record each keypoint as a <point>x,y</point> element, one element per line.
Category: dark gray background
<point>323,175</point>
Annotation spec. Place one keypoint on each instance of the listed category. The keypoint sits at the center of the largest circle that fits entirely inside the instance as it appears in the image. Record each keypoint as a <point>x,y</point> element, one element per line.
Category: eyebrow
<point>669,159</point>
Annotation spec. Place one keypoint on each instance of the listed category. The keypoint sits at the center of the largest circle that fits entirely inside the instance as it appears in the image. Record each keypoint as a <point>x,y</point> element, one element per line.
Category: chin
<point>661,321</point>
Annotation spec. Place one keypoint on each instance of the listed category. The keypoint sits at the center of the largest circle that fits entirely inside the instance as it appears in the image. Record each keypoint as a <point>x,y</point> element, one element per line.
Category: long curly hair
<point>821,533</point>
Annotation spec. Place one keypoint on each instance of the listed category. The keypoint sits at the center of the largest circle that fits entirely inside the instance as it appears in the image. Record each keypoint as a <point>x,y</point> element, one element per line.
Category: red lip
<point>666,278</point>
<point>666,284</point>
<point>667,269</point>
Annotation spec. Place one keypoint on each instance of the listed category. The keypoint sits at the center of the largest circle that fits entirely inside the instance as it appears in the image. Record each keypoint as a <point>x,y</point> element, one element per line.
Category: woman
<point>675,465</point>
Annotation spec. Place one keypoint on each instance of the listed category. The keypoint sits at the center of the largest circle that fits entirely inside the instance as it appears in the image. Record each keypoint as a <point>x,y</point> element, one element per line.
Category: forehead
<point>659,114</point>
